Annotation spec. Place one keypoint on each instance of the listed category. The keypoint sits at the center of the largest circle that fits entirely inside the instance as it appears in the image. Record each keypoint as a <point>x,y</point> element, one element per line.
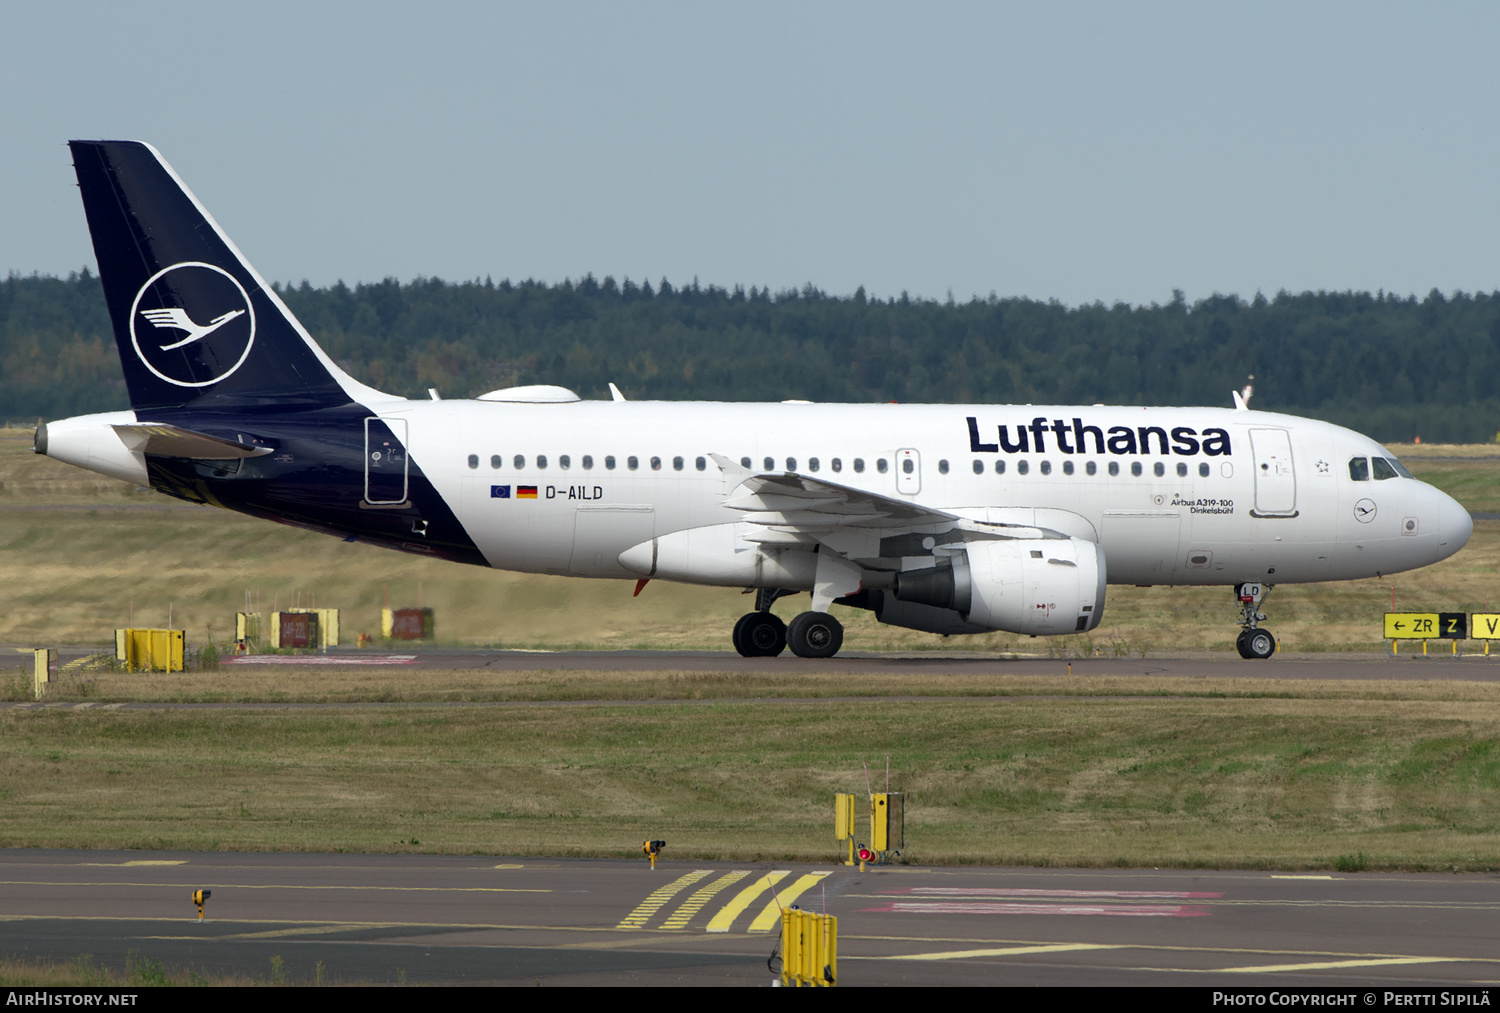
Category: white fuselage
<point>1277,503</point>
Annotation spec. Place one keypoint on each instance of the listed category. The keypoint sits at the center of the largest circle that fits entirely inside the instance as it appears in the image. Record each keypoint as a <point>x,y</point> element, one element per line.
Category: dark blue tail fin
<point>194,322</point>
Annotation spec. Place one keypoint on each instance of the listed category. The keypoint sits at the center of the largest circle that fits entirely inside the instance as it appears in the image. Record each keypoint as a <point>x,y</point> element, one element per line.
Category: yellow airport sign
<point>1426,625</point>
<point>1485,625</point>
<point>1410,625</point>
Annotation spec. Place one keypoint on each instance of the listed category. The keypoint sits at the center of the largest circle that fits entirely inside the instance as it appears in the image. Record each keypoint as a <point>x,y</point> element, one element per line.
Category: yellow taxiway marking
<point>1331,964</point>
<point>658,899</point>
<point>299,930</point>
<point>1008,951</point>
<point>729,912</point>
<point>771,913</point>
<point>285,886</point>
<point>701,896</point>
<point>1304,877</point>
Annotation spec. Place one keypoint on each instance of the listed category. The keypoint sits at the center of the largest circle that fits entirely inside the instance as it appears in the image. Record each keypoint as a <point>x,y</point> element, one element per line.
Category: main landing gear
<point>760,634</point>
<point>1253,642</point>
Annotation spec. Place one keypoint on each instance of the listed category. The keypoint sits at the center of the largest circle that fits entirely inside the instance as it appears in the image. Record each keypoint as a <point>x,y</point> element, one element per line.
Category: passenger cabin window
<point>656,464</point>
<point>836,464</point>
<point>882,465</point>
<point>494,460</point>
<point>791,464</point>
<point>978,467</point>
<point>473,460</point>
<point>942,467</point>
<point>909,466</point>
<point>1046,467</point>
<point>745,462</point>
<point>541,460</point>
<point>859,465</point>
<point>676,464</point>
<point>1090,467</point>
<point>609,462</point>
<point>770,464</point>
<point>1382,468</point>
<point>812,464</point>
<point>1359,469</point>
<point>1067,467</point>
<point>565,462</point>
<point>1022,466</point>
<point>632,463</point>
<point>1000,466</point>
<point>1114,467</point>
<point>1158,469</point>
<point>1181,470</point>
<point>1203,469</point>
<point>588,461</point>
<point>1135,468</point>
<point>700,464</point>
<point>520,461</point>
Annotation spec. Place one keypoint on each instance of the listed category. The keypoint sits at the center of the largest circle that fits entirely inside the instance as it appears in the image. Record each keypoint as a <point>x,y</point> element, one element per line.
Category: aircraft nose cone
<point>1455,526</point>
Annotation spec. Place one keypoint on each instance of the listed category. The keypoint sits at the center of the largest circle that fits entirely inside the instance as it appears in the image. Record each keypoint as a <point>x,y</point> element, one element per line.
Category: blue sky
<point>1076,151</point>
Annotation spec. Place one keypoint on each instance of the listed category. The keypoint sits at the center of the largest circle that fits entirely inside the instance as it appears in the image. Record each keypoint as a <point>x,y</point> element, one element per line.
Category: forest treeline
<point>1390,366</point>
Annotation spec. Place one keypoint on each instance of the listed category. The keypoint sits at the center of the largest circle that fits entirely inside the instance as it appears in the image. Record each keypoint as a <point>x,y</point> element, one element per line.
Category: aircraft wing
<point>791,508</point>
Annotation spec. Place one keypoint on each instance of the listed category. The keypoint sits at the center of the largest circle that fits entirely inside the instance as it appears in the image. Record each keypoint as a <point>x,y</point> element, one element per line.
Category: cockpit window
<point>1359,469</point>
<point>1383,468</point>
<point>1400,468</point>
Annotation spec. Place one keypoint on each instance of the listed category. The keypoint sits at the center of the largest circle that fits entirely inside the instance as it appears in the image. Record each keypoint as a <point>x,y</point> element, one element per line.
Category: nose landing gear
<point>1253,642</point>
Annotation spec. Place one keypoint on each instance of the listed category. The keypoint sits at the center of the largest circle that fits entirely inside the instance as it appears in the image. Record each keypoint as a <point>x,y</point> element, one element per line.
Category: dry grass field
<point>81,554</point>
<point>1226,770</point>
<point>1187,773</point>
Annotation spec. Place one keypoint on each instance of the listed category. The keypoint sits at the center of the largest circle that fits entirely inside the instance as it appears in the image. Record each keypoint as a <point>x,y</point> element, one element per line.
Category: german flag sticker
<point>525,492</point>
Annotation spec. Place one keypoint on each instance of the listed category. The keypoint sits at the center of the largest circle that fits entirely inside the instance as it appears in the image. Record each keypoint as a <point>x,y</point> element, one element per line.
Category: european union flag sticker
<point>499,492</point>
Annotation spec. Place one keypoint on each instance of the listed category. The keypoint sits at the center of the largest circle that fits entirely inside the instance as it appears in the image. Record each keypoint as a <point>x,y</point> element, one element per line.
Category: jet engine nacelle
<point>1037,586</point>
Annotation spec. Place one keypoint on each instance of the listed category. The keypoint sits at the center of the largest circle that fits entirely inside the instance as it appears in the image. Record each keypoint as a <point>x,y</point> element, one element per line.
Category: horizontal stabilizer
<point>162,440</point>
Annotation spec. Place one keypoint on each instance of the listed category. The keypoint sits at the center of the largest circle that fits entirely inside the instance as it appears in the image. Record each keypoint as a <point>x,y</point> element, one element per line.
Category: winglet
<point>1242,397</point>
<point>614,393</point>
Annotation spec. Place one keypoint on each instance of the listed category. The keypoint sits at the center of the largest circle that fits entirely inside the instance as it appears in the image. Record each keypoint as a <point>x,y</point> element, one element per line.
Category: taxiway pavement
<point>477,919</point>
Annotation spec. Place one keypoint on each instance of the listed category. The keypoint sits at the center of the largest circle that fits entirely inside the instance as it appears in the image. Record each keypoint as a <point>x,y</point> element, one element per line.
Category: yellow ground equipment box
<point>247,627</point>
<point>809,949</point>
<point>887,822</point>
<point>149,650</point>
<point>43,667</point>
<point>316,628</point>
<point>406,624</point>
<point>843,825</point>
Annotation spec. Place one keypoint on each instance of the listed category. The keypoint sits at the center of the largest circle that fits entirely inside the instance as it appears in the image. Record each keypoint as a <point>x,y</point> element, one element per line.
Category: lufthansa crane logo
<point>192,324</point>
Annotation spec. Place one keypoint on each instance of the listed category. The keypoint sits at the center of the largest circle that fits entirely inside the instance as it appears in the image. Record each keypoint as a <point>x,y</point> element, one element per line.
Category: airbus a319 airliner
<point>944,518</point>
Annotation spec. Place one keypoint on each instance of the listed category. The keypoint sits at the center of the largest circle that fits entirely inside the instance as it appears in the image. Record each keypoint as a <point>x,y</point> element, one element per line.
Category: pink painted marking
<point>996,891</point>
<point>320,659</point>
<point>1001,908</point>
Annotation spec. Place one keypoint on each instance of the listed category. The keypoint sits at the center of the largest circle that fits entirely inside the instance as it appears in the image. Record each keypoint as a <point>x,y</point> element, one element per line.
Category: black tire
<point>1239,644</point>
<point>738,636</point>
<point>760,635</point>
<point>815,635</point>
<point>1260,644</point>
